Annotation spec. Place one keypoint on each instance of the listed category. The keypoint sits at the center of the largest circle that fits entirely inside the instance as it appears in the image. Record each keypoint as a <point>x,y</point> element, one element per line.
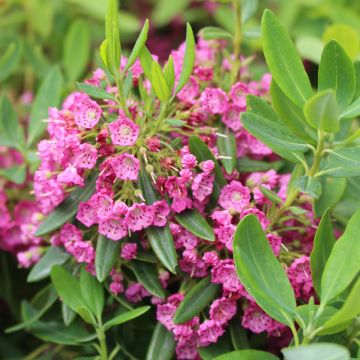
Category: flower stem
<point>102,342</point>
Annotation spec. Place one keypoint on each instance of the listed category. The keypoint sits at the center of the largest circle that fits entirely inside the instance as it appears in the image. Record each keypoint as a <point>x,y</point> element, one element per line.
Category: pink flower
<point>29,257</point>
<point>188,161</point>
<point>232,118</point>
<point>202,186</point>
<point>114,228</point>
<point>126,166</point>
<point>83,251</point>
<point>161,212</point>
<point>139,216</point>
<point>135,292</point>
<point>264,221</point>
<point>222,310</point>
<point>85,156</point>
<point>207,166</point>
<point>300,277</point>
<point>238,94</point>
<point>87,214</point>
<point>123,132</point>
<point>209,331</point>
<point>234,197</point>
<point>128,251</point>
<point>214,101</point>
<point>70,176</point>
<point>211,258</point>
<point>190,91</point>
<point>116,288</point>
<point>275,243</point>
<point>87,113</point>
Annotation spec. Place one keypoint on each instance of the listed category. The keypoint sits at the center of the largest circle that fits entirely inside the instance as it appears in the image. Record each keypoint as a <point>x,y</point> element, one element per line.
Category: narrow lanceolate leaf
<point>321,111</point>
<point>113,46</point>
<point>76,49</point>
<point>214,33</point>
<point>138,47</point>
<point>247,165</point>
<point>193,221</point>
<point>274,135</point>
<point>10,59</point>
<point>68,208</point>
<point>92,293</point>
<point>319,351</point>
<point>48,95</point>
<point>271,195</point>
<point>259,106</point>
<point>196,300</point>
<point>247,355</point>
<point>257,267</point>
<point>337,72</point>
<point>169,73</point>
<point>189,59</point>
<point>343,263</point>
<point>54,256</point>
<point>146,61</point>
<point>283,60</point>
<point>162,344</point>
<point>202,153</point>
<point>125,317</point>
<point>323,243</point>
<point>148,276</point>
<point>95,92</point>
<point>349,310</point>
<point>309,185</point>
<point>343,162</point>
<point>227,149</point>
<point>159,83</point>
<point>107,251</point>
<point>352,111</point>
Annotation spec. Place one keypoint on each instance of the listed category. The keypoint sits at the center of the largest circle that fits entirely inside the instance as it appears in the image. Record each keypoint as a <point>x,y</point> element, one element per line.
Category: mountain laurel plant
<point>150,186</point>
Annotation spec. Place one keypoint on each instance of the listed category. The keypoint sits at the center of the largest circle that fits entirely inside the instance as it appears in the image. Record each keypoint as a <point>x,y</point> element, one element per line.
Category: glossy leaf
<point>162,344</point>
<point>247,165</point>
<point>159,83</point>
<point>107,251</point>
<point>321,111</point>
<point>148,276</point>
<point>332,191</point>
<point>196,300</point>
<point>323,243</point>
<point>318,351</point>
<point>10,59</point>
<point>95,91</point>
<point>309,185</point>
<point>92,293</point>
<point>76,51</point>
<point>193,221</point>
<point>138,47</point>
<point>247,355</point>
<point>343,263</point>
<point>227,148</point>
<point>239,336</point>
<point>259,106</point>
<point>126,316</point>
<point>48,95</point>
<point>270,195</point>
<point>307,313</point>
<point>169,73</point>
<point>54,256</point>
<point>68,315</point>
<point>337,72</point>
<point>352,111</point>
<point>220,347</point>
<point>274,135</point>
<point>146,61</point>
<point>283,60</point>
<point>343,162</point>
<point>257,267</point>
<point>68,208</point>
<point>189,59</point>
<point>214,33</point>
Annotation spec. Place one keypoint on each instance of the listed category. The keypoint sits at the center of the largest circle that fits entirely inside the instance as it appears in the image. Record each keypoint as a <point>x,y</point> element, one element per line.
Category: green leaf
<point>9,124</point>
<point>272,196</point>
<point>345,36</point>
<point>332,191</point>
<point>107,251</point>
<point>321,111</point>
<point>307,314</point>
<point>68,315</point>
<point>323,243</point>
<point>76,51</point>
<point>10,59</point>
<point>349,311</point>
<point>247,355</point>
<point>162,243</point>
<point>92,293</point>
<point>337,72</point>
<point>257,267</point>
<point>159,83</point>
<point>189,59</point>
<point>319,351</point>
<point>47,95</point>
<point>203,153</point>
<point>214,33</point>
<point>162,344</point>
<point>343,263</point>
<point>164,10</point>
<point>95,92</point>
<point>257,105</point>
<point>239,336</point>
<point>352,111</point>
<point>283,60</point>
<point>196,300</point>
<point>169,73</point>
<point>138,47</point>
<point>247,165</point>
<point>149,193</point>
<point>193,221</point>
<point>227,147</point>
<point>148,276</point>
<point>309,48</point>
<point>308,185</point>
<point>15,174</point>
<point>220,347</point>
<point>125,317</point>
<point>291,115</point>
<point>343,162</point>
<point>68,208</point>
<point>146,61</point>
<point>54,256</point>
<point>249,8</point>
<point>274,135</point>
